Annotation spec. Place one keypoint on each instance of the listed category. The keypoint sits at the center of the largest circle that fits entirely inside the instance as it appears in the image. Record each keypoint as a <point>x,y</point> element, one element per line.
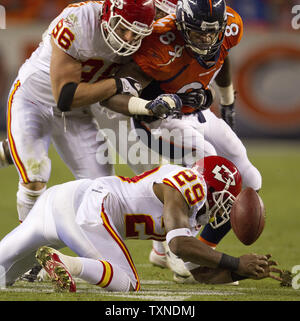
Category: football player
<point>185,54</point>
<point>94,217</point>
<point>72,69</point>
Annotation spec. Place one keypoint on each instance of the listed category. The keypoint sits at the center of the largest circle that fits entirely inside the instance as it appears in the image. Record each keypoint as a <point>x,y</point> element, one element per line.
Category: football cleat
<point>158,259</point>
<point>184,280</point>
<point>43,276</point>
<point>175,264</point>
<point>32,275</point>
<point>56,269</point>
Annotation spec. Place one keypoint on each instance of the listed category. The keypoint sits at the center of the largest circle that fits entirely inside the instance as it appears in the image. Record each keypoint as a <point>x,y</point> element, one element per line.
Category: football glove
<point>197,98</point>
<point>128,86</point>
<point>165,105</point>
<point>228,114</point>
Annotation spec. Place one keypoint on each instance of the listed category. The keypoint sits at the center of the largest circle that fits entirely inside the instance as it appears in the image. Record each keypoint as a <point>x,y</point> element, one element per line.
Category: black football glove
<point>165,105</point>
<point>128,86</point>
<point>228,114</point>
<point>197,98</point>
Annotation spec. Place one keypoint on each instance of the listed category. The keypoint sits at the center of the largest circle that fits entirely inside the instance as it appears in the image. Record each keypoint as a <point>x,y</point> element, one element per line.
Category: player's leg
<point>5,157</point>
<point>17,249</point>
<point>212,237</point>
<point>104,258</point>
<point>182,139</point>
<point>157,254</point>
<point>123,141</point>
<point>80,144</point>
<point>28,129</point>
<point>228,145</point>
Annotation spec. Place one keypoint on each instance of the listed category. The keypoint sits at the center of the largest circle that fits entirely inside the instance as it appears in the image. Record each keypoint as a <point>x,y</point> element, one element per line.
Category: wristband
<point>178,232</point>
<point>228,262</point>
<point>137,106</point>
<point>226,95</point>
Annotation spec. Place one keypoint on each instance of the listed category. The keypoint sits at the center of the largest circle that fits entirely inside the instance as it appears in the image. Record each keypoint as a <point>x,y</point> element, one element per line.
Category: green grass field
<point>279,165</point>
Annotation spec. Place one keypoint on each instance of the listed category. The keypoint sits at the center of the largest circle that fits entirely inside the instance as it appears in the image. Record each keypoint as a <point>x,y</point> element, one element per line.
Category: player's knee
<point>252,178</point>
<point>38,172</point>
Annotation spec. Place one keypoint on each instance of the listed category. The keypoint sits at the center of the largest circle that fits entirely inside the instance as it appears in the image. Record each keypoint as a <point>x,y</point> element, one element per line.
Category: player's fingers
<point>259,269</point>
<point>262,262</point>
<point>275,270</point>
<point>262,258</point>
<point>270,263</point>
<point>275,277</point>
<point>268,256</point>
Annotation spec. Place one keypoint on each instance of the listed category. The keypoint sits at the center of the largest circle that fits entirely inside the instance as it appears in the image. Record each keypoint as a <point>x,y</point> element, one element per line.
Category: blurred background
<point>266,64</point>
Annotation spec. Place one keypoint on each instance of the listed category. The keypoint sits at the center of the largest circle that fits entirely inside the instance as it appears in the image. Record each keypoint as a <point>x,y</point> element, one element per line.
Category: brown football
<point>247,216</point>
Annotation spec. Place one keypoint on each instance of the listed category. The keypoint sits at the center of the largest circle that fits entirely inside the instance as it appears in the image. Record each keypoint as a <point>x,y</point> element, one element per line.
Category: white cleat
<point>43,276</point>
<point>175,264</point>
<point>158,259</point>
<point>184,280</point>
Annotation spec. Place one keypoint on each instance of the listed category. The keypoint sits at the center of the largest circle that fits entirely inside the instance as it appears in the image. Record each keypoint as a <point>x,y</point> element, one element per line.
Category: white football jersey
<point>77,32</point>
<point>134,208</point>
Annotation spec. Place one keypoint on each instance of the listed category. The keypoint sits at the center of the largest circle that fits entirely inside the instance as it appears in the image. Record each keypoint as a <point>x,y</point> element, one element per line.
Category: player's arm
<point>64,69</point>
<point>188,248</point>
<point>221,267</point>
<point>226,92</point>
<point>119,103</point>
<point>162,105</point>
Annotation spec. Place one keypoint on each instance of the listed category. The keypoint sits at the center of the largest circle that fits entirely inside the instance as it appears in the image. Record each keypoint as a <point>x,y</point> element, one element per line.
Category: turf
<point>279,165</point>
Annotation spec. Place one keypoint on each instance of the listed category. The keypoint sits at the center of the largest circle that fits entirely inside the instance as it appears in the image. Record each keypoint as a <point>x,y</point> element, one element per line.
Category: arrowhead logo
<point>223,174</point>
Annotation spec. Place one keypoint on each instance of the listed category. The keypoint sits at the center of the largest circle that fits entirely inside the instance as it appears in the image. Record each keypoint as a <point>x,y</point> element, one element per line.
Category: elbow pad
<point>66,96</point>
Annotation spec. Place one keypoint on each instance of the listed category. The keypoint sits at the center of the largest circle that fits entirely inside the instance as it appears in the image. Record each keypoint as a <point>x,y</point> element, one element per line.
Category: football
<point>247,216</point>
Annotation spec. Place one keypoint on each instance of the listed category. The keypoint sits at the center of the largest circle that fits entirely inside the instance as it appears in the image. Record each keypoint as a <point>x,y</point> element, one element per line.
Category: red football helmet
<point>167,6</point>
<point>224,183</point>
<point>136,16</point>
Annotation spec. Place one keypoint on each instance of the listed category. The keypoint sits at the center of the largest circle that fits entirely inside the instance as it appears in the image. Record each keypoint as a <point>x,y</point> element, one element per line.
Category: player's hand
<point>270,268</point>
<point>128,86</point>
<point>165,105</point>
<point>228,114</point>
<point>197,98</point>
<point>253,265</point>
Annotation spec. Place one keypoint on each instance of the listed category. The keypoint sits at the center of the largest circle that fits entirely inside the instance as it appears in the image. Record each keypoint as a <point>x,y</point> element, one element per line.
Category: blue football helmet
<point>202,24</point>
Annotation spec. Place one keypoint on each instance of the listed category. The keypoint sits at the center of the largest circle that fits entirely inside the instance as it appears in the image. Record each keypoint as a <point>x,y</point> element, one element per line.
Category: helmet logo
<point>224,175</point>
<point>184,4</point>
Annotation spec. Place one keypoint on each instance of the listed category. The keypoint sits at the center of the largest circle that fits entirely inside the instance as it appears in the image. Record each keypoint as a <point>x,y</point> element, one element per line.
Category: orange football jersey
<point>163,56</point>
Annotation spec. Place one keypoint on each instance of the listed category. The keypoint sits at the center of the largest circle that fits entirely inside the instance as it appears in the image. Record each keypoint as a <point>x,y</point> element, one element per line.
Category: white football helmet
<point>136,16</point>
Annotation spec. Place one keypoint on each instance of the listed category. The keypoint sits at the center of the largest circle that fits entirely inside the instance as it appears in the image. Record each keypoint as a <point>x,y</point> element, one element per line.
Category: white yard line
<point>150,295</point>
